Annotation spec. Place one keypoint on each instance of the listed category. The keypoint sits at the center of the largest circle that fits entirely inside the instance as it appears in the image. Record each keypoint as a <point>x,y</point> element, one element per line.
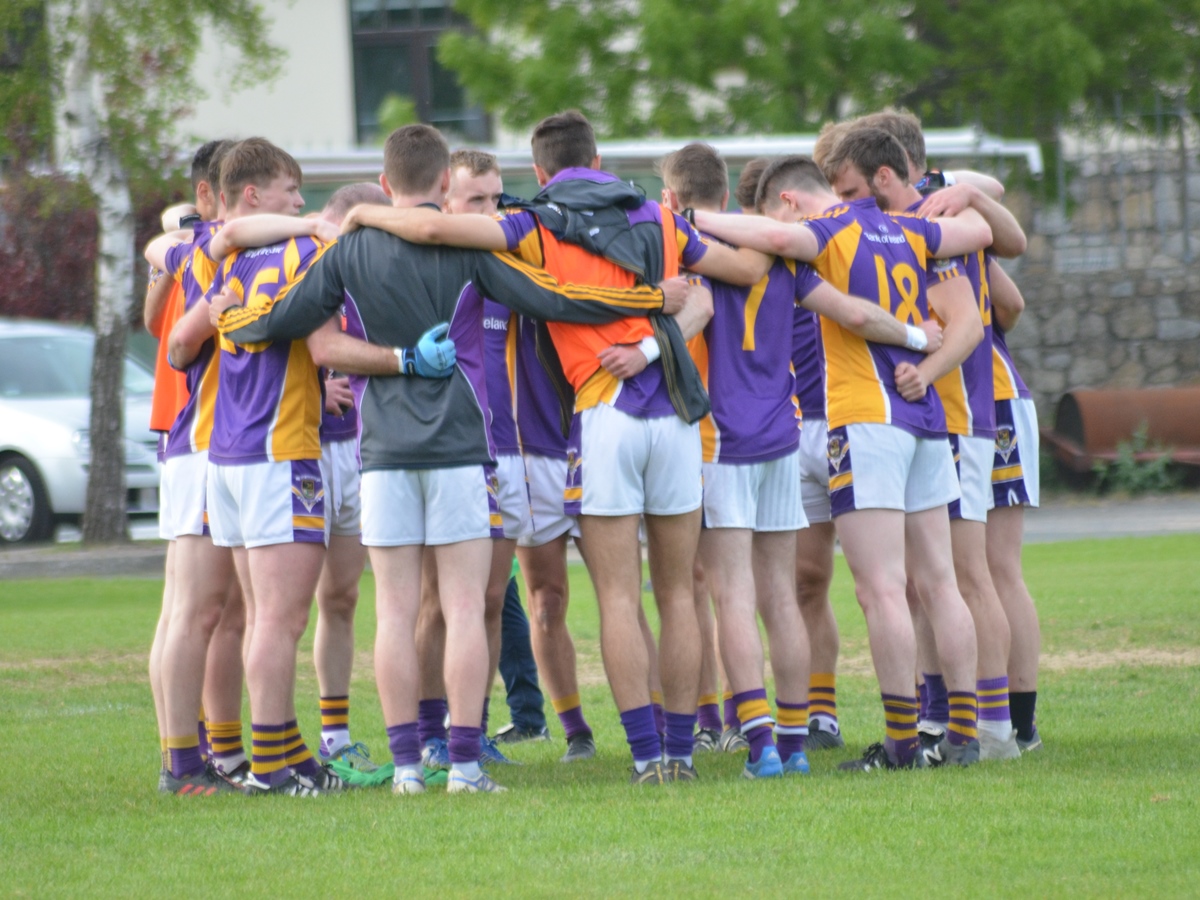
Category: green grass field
<point>1108,808</point>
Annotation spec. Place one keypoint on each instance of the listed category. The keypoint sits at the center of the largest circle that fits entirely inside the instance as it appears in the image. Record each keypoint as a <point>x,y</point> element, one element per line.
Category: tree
<point>122,71</point>
<point>675,67</point>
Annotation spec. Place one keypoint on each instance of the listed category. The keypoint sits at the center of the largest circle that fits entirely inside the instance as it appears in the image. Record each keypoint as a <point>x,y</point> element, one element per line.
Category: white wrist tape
<point>650,349</point>
<point>917,340</point>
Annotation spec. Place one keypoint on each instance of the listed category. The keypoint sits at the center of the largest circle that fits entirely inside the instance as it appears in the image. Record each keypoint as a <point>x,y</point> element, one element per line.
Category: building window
<point>395,54</point>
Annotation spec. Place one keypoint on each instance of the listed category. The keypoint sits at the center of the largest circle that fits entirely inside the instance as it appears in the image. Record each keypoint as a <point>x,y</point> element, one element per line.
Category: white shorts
<point>403,507</point>
<point>512,497</point>
<point>1015,466</point>
<point>814,470</point>
<point>181,490</point>
<point>546,476</point>
<point>763,496</point>
<point>621,465</point>
<point>973,461</point>
<point>345,509</point>
<point>268,503</point>
<point>873,466</point>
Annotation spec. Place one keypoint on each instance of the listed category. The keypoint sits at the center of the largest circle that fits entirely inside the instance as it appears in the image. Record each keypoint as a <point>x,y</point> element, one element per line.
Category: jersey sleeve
<point>534,292</point>
<point>807,280</point>
<point>939,270</point>
<point>824,228</point>
<point>691,246</point>
<point>933,235</point>
<point>521,232</point>
<point>177,257</point>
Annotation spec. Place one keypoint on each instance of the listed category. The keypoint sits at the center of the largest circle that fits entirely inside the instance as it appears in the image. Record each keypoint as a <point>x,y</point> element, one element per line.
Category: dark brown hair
<point>746,192</point>
<point>905,128</point>
<point>255,161</point>
<point>697,174</point>
<point>785,174</point>
<point>414,158</point>
<point>868,150</point>
<point>563,141</point>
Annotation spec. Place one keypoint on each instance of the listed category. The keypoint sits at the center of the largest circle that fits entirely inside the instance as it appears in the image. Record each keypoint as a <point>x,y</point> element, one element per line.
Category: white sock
<point>469,770</point>
<point>408,772</point>
<point>334,740</point>
<point>642,764</point>
<point>686,760</point>
<point>999,730</point>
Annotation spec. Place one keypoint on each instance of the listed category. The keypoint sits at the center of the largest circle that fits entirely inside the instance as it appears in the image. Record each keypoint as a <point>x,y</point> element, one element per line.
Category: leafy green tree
<point>717,66</point>
<point>120,72</point>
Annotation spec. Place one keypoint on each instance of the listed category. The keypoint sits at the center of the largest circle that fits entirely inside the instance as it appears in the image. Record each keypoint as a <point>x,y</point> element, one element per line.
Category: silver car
<point>45,371</point>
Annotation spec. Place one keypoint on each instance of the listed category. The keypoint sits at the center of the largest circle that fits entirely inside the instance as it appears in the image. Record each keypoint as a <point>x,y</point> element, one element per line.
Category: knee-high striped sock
<point>822,701</point>
<point>900,717</point>
<point>431,720</point>
<point>185,755</point>
<point>227,750</point>
<point>731,717</point>
<point>642,736</point>
<point>296,753</point>
<point>964,712</point>
<point>570,714</point>
<point>939,701</point>
<point>994,714</point>
<point>708,713</point>
<point>755,715</point>
<point>791,728</point>
<point>660,719</point>
<point>335,724</point>
<point>268,761</point>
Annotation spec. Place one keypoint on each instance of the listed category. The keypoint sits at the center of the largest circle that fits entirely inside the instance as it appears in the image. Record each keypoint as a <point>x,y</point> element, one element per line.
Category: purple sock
<point>939,699</point>
<point>186,761</point>
<point>923,701</point>
<point>641,734</point>
<point>431,720</point>
<point>709,717</point>
<point>403,742</point>
<point>731,719</point>
<point>464,744</point>
<point>483,722</point>
<point>660,719</point>
<point>573,722</point>
<point>679,734</point>
<point>993,699</point>
<point>306,764</point>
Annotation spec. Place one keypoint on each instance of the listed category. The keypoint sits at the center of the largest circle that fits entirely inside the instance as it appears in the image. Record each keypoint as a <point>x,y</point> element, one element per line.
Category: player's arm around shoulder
<point>266,229</point>
<point>1007,301</point>
<point>793,240</point>
<point>968,232</point>
<point>425,225</point>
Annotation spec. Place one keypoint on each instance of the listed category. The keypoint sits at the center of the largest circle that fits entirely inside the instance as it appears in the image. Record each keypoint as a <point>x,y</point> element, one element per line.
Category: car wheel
<point>24,506</point>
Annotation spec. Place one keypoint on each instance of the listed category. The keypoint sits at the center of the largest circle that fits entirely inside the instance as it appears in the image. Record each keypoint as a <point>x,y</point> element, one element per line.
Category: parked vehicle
<point>45,407</point>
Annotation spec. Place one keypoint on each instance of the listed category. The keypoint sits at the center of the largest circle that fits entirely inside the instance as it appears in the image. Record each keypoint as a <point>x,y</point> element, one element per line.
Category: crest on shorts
<point>1006,441</point>
<point>493,484</point>
<point>836,450</point>
<point>308,491</point>
<point>574,461</point>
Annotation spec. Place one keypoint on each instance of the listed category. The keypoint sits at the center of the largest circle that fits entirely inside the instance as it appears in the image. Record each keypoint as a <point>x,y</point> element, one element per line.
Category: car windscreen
<point>57,366</point>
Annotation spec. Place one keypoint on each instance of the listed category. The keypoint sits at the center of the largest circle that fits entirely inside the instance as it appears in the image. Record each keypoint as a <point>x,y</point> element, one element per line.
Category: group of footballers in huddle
<point>438,375</point>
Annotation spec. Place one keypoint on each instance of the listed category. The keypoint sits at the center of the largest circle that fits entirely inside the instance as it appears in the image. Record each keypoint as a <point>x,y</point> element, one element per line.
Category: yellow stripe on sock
<point>749,710</point>
<point>792,718</point>
<point>183,743</point>
<point>728,695</point>
<point>656,697</point>
<point>566,704</point>
<point>707,700</point>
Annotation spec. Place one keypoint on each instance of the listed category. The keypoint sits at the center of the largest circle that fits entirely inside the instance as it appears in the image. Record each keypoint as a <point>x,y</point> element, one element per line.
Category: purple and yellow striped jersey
<point>867,253</point>
<point>966,393</point>
<point>1006,380</point>
<point>270,396</point>
<point>499,367</point>
<point>645,395</point>
<point>744,356</point>
<point>808,362</point>
<point>537,403</point>
<point>194,269</point>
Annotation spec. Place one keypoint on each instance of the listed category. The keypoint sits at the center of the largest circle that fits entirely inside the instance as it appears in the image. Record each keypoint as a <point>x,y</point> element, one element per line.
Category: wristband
<point>650,349</point>
<point>917,339</point>
<point>399,351</point>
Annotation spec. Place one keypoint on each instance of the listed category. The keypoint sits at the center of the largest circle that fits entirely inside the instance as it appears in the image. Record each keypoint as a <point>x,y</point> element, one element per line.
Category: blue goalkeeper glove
<point>434,355</point>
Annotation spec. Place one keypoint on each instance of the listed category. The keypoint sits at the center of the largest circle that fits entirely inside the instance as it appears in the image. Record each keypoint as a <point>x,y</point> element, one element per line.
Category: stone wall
<point>1112,288</point>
